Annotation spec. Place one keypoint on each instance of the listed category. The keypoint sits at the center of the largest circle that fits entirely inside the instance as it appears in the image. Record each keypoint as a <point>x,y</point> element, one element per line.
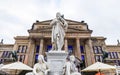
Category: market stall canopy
<point>98,66</point>
<point>17,66</point>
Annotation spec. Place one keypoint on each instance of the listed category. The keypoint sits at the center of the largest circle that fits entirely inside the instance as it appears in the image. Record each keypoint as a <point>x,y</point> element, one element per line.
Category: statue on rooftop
<point>1,41</point>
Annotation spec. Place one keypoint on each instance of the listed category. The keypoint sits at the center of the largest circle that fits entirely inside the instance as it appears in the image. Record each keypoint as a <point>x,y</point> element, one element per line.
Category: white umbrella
<point>98,66</point>
<point>17,66</point>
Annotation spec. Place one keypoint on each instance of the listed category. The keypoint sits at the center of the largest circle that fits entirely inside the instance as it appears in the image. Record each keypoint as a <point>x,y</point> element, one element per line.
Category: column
<point>89,52</point>
<point>41,46</point>
<point>78,48</point>
<point>66,45</point>
<point>29,59</point>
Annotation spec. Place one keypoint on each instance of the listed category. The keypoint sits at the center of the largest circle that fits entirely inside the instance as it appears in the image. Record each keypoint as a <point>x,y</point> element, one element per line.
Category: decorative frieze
<point>40,35</point>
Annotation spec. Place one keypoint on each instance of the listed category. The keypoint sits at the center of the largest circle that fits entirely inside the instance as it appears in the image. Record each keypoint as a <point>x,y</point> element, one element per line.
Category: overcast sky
<point>102,16</point>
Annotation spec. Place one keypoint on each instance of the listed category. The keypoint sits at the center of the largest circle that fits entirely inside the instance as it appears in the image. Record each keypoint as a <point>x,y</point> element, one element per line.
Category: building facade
<point>78,41</point>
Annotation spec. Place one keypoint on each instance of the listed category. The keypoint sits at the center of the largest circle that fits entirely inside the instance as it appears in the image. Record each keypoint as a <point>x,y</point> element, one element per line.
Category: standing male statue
<point>59,26</point>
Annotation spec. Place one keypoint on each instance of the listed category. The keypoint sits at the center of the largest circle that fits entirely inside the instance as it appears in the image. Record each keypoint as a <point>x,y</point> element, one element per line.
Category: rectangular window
<point>9,54</point>
<point>37,48</point>
<point>109,55</point>
<point>70,48</point>
<point>22,51</point>
<point>95,49</point>
<point>113,56</point>
<point>98,58</point>
<point>1,61</point>
<point>36,58</point>
<point>116,55</point>
<point>3,54</point>
<point>49,47</point>
<point>99,49</point>
<point>18,49</point>
<point>81,49</point>
<point>82,57</point>
<point>20,58</point>
<point>6,54</point>
<point>118,62</point>
<point>23,57</point>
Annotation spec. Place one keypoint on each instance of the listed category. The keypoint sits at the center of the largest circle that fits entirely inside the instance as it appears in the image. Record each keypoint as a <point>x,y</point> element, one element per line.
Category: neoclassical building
<point>78,41</point>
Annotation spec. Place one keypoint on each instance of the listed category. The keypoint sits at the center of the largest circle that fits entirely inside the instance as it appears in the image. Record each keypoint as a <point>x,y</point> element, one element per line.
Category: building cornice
<point>21,37</point>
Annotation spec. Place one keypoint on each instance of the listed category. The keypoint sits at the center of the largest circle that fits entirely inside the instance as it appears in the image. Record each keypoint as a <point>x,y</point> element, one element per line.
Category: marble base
<point>56,61</point>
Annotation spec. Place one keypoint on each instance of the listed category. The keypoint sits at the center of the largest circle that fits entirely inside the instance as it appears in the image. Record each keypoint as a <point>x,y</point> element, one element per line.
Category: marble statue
<point>67,67</point>
<point>59,26</point>
<point>41,67</point>
<point>70,68</point>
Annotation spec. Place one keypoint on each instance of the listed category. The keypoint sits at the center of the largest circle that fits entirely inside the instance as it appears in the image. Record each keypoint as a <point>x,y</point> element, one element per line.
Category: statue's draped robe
<point>58,30</point>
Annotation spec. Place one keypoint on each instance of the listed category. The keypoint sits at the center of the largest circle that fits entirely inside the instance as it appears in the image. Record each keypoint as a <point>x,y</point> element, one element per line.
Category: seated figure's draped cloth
<point>40,68</point>
<point>70,68</point>
<point>59,25</point>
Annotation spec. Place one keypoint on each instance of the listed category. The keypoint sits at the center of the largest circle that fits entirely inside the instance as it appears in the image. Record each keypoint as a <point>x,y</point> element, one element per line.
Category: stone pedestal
<point>56,61</point>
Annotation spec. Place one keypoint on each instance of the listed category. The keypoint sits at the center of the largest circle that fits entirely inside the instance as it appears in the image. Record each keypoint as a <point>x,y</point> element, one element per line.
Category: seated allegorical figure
<point>70,68</point>
<point>40,68</point>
